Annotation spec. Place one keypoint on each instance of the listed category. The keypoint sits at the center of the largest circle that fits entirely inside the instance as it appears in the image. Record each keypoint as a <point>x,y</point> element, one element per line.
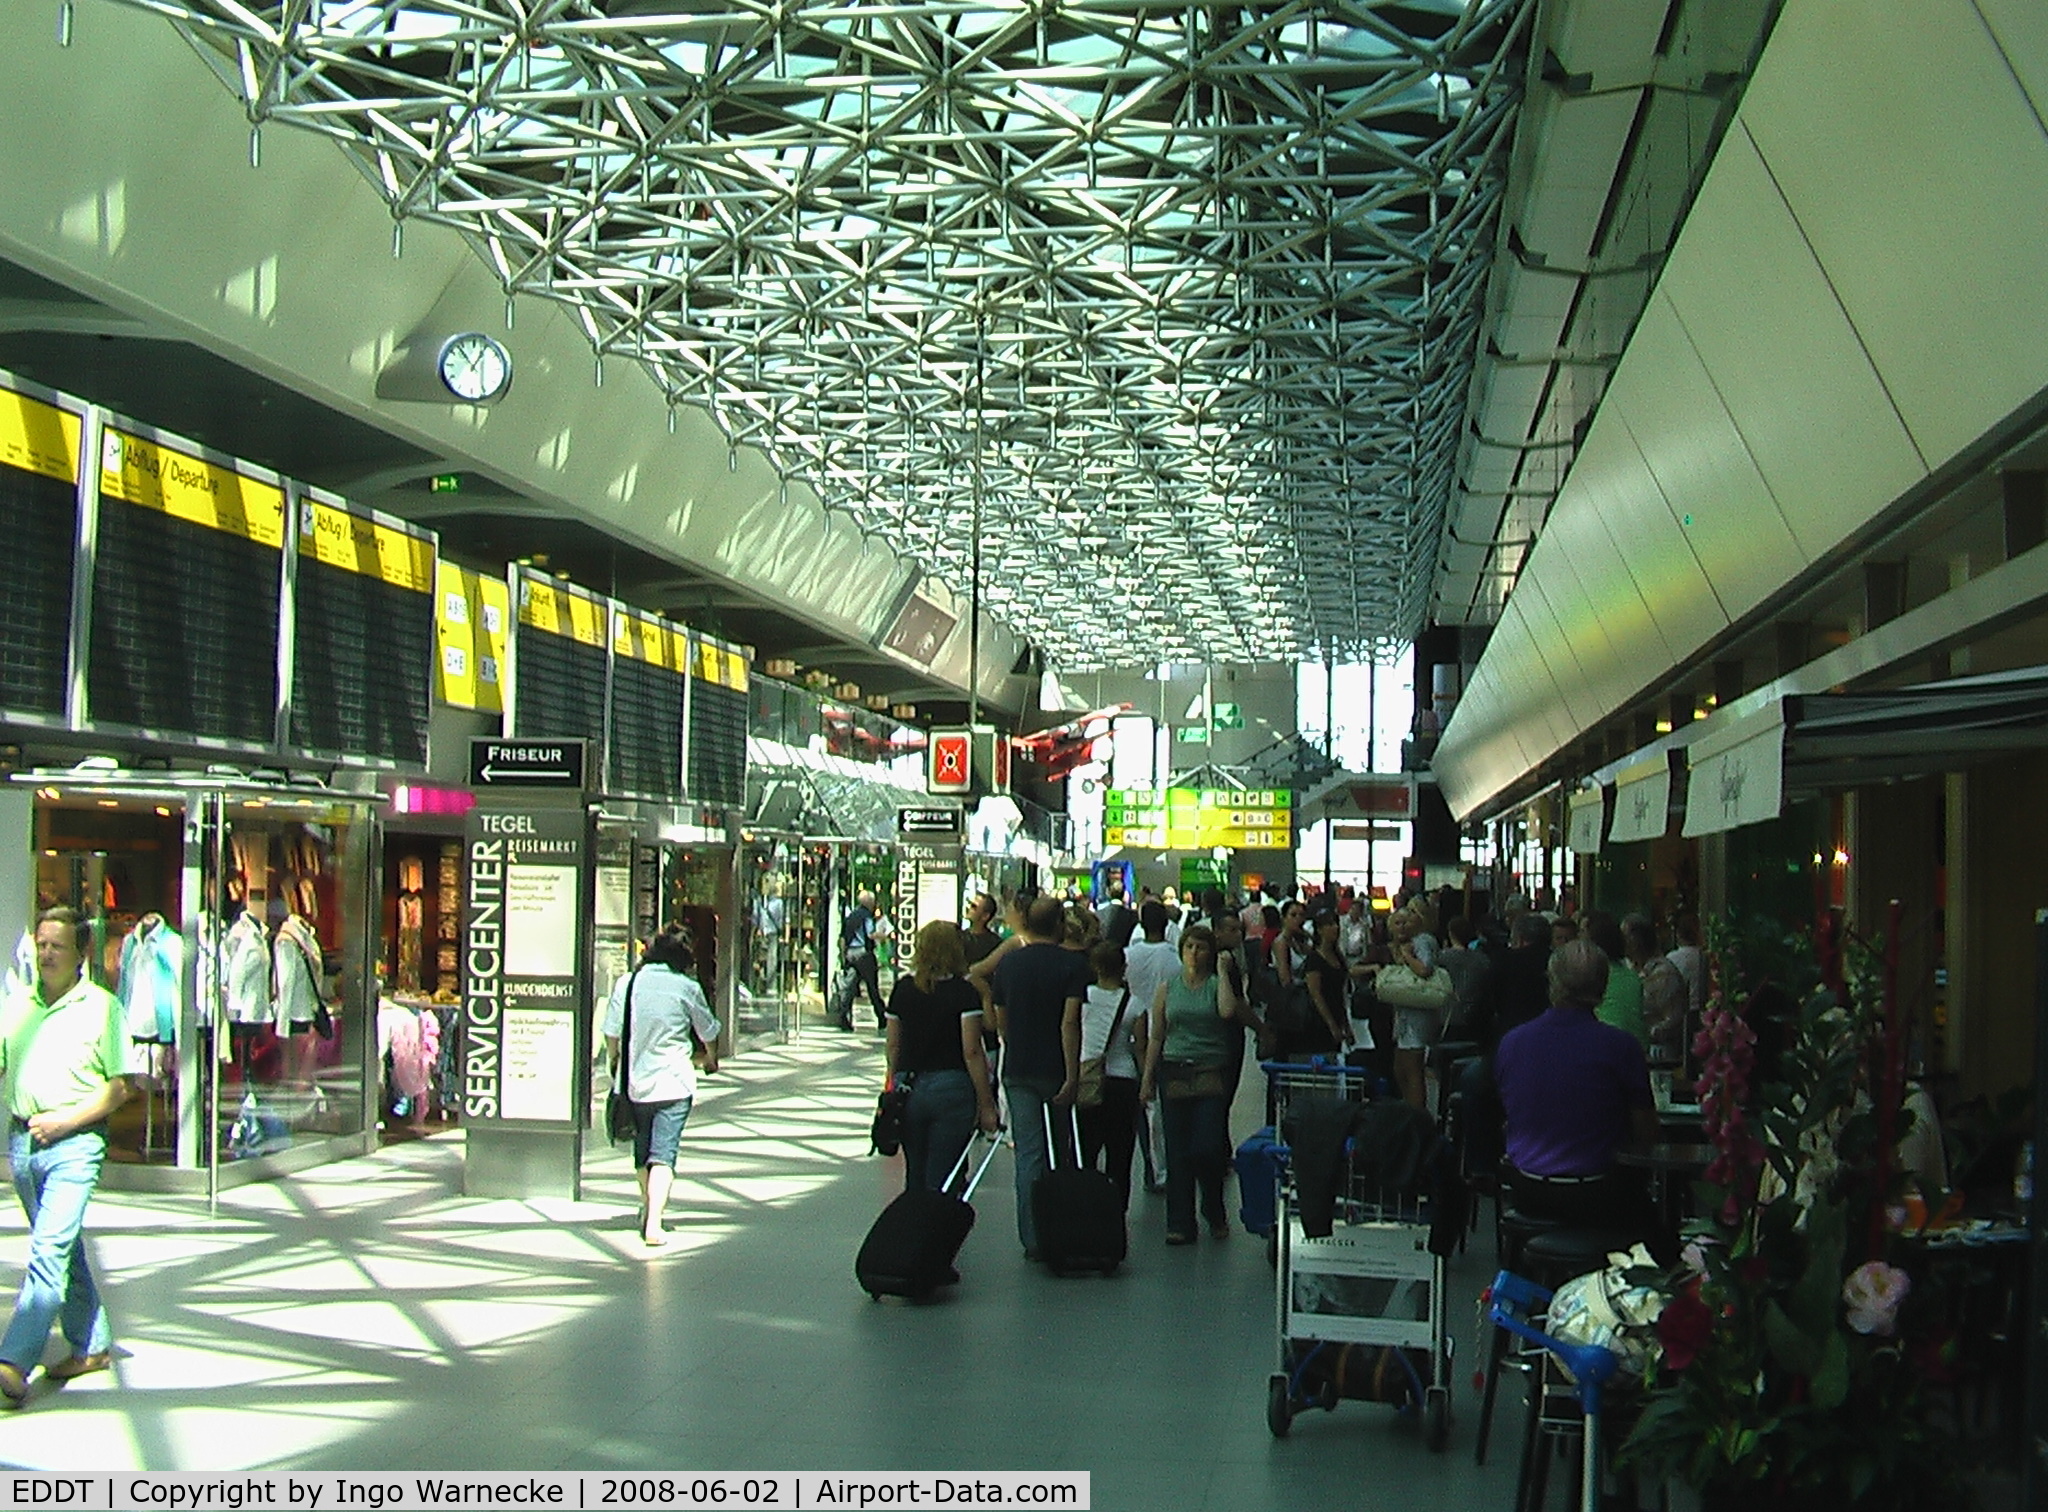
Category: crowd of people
<point>1136,1017</point>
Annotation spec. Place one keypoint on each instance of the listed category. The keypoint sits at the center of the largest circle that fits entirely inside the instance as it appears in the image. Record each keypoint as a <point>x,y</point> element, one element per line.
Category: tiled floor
<point>367,1316</point>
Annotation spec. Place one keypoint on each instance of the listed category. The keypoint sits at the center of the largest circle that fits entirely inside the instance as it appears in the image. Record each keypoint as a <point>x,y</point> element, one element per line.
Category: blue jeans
<point>936,1127</point>
<point>658,1132</point>
<point>55,1182</point>
<point>1197,1155</point>
<point>1028,1100</point>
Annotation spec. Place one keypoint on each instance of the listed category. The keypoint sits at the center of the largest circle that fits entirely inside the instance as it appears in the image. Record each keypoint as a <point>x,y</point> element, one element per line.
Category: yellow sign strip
<point>645,638</point>
<point>341,538</point>
<point>717,664</point>
<point>38,437</point>
<point>560,610</point>
<point>187,488</point>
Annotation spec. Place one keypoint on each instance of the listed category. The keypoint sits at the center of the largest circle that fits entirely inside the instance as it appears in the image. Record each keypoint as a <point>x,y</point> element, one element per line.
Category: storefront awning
<point>1642,800</point>
<point>1587,818</point>
<point>1737,772</point>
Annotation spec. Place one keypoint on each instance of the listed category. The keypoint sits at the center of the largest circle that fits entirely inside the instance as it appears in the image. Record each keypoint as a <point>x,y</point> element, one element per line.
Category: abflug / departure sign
<point>522,947</point>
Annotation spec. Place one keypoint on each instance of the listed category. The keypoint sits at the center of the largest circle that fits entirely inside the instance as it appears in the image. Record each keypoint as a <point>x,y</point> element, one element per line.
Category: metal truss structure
<point>1153,320</point>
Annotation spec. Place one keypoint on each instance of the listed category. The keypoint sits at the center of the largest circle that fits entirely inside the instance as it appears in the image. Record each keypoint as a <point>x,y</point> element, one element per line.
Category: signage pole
<point>527,1012</point>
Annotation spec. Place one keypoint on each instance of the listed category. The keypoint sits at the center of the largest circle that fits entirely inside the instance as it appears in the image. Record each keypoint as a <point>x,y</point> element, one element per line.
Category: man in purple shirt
<point>1576,1091</point>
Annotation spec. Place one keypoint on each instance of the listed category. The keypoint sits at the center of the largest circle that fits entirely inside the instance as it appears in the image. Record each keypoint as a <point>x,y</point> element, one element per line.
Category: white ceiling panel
<point>1783,357</point>
<point>1578,139</point>
<point>1709,480</point>
<point>1918,171</point>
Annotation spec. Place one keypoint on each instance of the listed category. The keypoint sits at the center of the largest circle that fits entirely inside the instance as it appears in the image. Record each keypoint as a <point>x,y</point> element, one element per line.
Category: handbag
<point>1399,986</point>
<point>1182,1079</point>
<point>1088,1090</point>
<point>886,1132</point>
<point>619,1122</point>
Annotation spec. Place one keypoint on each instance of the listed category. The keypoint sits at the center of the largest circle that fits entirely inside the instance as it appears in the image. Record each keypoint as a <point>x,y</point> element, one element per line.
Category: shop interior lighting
<point>1180,301</point>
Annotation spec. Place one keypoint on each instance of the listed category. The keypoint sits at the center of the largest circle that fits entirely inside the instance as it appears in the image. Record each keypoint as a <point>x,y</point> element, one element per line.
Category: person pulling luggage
<point>934,1029</point>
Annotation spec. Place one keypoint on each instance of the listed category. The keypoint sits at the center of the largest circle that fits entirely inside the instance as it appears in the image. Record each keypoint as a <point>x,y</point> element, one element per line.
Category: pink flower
<point>1873,1293</point>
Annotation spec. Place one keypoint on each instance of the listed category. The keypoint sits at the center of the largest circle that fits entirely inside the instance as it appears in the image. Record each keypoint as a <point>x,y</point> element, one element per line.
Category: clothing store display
<point>152,978</point>
<point>246,964</point>
<point>299,968</point>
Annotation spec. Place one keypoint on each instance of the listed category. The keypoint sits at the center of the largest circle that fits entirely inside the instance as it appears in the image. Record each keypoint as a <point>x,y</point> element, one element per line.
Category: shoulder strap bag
<point>619,1122</point>
<point>1088,1094</point>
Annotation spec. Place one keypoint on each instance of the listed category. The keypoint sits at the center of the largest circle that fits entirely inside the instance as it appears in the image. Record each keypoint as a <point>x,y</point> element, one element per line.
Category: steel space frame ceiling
<point>1156,318</point>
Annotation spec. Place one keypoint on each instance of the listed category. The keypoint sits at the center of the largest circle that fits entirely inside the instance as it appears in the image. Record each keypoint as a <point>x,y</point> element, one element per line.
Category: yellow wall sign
<point>472,617</point>
<point>358,544</point>
<point>187,488</point>
<point>38,437</point>
<point>561,610</point>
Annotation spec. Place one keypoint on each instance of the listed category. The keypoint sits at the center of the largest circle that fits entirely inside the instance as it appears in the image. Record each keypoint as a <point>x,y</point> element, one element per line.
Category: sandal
<point>1174,1238</point>
<point>77,1365</point>
<point>13,1387</point>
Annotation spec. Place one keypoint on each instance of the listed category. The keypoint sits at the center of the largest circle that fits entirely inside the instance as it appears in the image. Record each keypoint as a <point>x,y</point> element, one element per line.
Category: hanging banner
<point>1588,814</point>
<point>1642,801</point>
<point>1738,773</point>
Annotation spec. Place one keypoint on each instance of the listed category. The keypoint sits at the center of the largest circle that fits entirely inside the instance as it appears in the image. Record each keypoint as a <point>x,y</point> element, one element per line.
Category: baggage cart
<point>1361,1311</point>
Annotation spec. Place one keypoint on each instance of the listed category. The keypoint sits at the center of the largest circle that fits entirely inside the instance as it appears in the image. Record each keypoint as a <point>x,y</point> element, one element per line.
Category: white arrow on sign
<point>526,773</point>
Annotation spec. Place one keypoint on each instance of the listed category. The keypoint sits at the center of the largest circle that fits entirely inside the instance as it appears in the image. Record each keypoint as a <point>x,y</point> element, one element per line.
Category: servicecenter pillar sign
<point>522,954</point>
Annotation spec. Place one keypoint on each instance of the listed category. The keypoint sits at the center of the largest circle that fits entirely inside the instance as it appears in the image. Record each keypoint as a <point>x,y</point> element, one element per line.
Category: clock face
<point>475,367</point>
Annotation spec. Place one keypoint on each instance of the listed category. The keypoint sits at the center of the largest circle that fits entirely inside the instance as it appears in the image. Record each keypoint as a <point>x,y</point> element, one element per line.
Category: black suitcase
<point>911,1248</point>
<point>1079,1213</point>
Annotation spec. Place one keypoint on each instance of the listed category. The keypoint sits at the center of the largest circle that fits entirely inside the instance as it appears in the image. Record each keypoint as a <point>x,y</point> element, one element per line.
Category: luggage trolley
<point>1361,1313</point>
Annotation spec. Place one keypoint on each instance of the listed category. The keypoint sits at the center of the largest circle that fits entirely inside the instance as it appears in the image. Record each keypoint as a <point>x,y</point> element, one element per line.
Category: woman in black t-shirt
<point>934,1024</point>
<point>1326,971</point>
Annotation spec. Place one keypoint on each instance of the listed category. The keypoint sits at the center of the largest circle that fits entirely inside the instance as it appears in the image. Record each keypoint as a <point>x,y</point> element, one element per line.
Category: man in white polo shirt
<point>66,1056</point>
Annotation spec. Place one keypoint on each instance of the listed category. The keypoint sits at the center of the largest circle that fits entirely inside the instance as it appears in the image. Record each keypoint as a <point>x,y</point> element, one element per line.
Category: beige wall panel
<point>1669,406</point>
<point>1558,654</point>
<point>2020,30</point>
<point>1784,359</point>
<point>1917,169</point>
<point>1637,518</point>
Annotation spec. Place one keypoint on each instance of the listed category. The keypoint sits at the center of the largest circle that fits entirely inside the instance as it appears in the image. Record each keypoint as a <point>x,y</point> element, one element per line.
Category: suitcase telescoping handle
<point>1052,1158</point>
<point>995,1143</point>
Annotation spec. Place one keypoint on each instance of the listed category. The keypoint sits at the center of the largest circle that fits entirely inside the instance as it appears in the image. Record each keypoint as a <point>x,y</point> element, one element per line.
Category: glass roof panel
<point>1117,271</point>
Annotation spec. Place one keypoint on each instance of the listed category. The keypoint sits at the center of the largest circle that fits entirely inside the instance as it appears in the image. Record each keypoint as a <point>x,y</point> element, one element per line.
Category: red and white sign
<point>949,766</point>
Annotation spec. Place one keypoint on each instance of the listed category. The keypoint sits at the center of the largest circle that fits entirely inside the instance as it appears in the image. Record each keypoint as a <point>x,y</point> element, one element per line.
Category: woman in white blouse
<point>670,1021</point>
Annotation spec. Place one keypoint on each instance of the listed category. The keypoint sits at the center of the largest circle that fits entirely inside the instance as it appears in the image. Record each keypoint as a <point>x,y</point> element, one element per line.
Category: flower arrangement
<point>1794,1353</point>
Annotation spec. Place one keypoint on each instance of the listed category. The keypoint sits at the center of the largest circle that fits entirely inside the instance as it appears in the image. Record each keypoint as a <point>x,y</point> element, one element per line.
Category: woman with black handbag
<point>658,1012</point>
<point>934,1028</point>
<point>1194,1015</point>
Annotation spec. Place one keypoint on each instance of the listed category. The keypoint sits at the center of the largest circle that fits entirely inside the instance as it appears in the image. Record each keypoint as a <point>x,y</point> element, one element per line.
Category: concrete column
<point>2026,509</point>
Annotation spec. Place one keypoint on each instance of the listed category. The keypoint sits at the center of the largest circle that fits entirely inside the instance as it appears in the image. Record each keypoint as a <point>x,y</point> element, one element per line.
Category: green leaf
<point>1811,1303</point>
<point>1790,1346</point>
<point>1831,1381</point>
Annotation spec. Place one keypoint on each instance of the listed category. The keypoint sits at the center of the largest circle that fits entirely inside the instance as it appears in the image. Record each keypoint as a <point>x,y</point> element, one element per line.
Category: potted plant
<point>1797,1354</point>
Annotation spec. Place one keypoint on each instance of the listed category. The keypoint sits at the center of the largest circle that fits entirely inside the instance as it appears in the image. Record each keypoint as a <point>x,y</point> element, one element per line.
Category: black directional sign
<point>935,820</point>
<point>526,763</point>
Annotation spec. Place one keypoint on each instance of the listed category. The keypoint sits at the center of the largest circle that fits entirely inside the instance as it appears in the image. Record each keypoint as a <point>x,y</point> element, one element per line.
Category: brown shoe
<point>77,1365</point>
<point>13,1387</point>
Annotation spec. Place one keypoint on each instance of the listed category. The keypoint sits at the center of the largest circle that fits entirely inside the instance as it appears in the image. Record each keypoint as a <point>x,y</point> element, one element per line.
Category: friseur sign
<point>526,763</point>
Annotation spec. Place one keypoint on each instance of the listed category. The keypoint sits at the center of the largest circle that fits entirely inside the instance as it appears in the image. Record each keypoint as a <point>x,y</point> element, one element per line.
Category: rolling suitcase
<point>911,1248</point>
<point>1258,1182</point>
<point>1079,1213</point>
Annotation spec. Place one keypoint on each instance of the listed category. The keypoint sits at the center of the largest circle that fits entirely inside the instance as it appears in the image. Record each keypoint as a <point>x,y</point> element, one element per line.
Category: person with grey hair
<point>1576,1091</point>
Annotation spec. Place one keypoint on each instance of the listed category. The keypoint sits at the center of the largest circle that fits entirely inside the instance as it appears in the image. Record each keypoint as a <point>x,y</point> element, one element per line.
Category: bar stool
<point>1514,1231</point>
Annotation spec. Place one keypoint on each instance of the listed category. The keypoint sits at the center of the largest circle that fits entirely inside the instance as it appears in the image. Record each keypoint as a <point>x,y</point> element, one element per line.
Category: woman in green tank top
<point>1194,1015</point>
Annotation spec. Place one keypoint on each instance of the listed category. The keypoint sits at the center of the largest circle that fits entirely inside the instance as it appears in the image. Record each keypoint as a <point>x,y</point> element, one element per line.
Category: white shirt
<point>1098,1012</point>
<point>1692,965</point>
<point>666,1005</point>
<point>1147,965</point>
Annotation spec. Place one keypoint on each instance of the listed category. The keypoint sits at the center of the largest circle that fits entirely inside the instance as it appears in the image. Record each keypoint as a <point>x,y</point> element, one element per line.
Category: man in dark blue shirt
<point>1038,991</point>
<point>857,944</point>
